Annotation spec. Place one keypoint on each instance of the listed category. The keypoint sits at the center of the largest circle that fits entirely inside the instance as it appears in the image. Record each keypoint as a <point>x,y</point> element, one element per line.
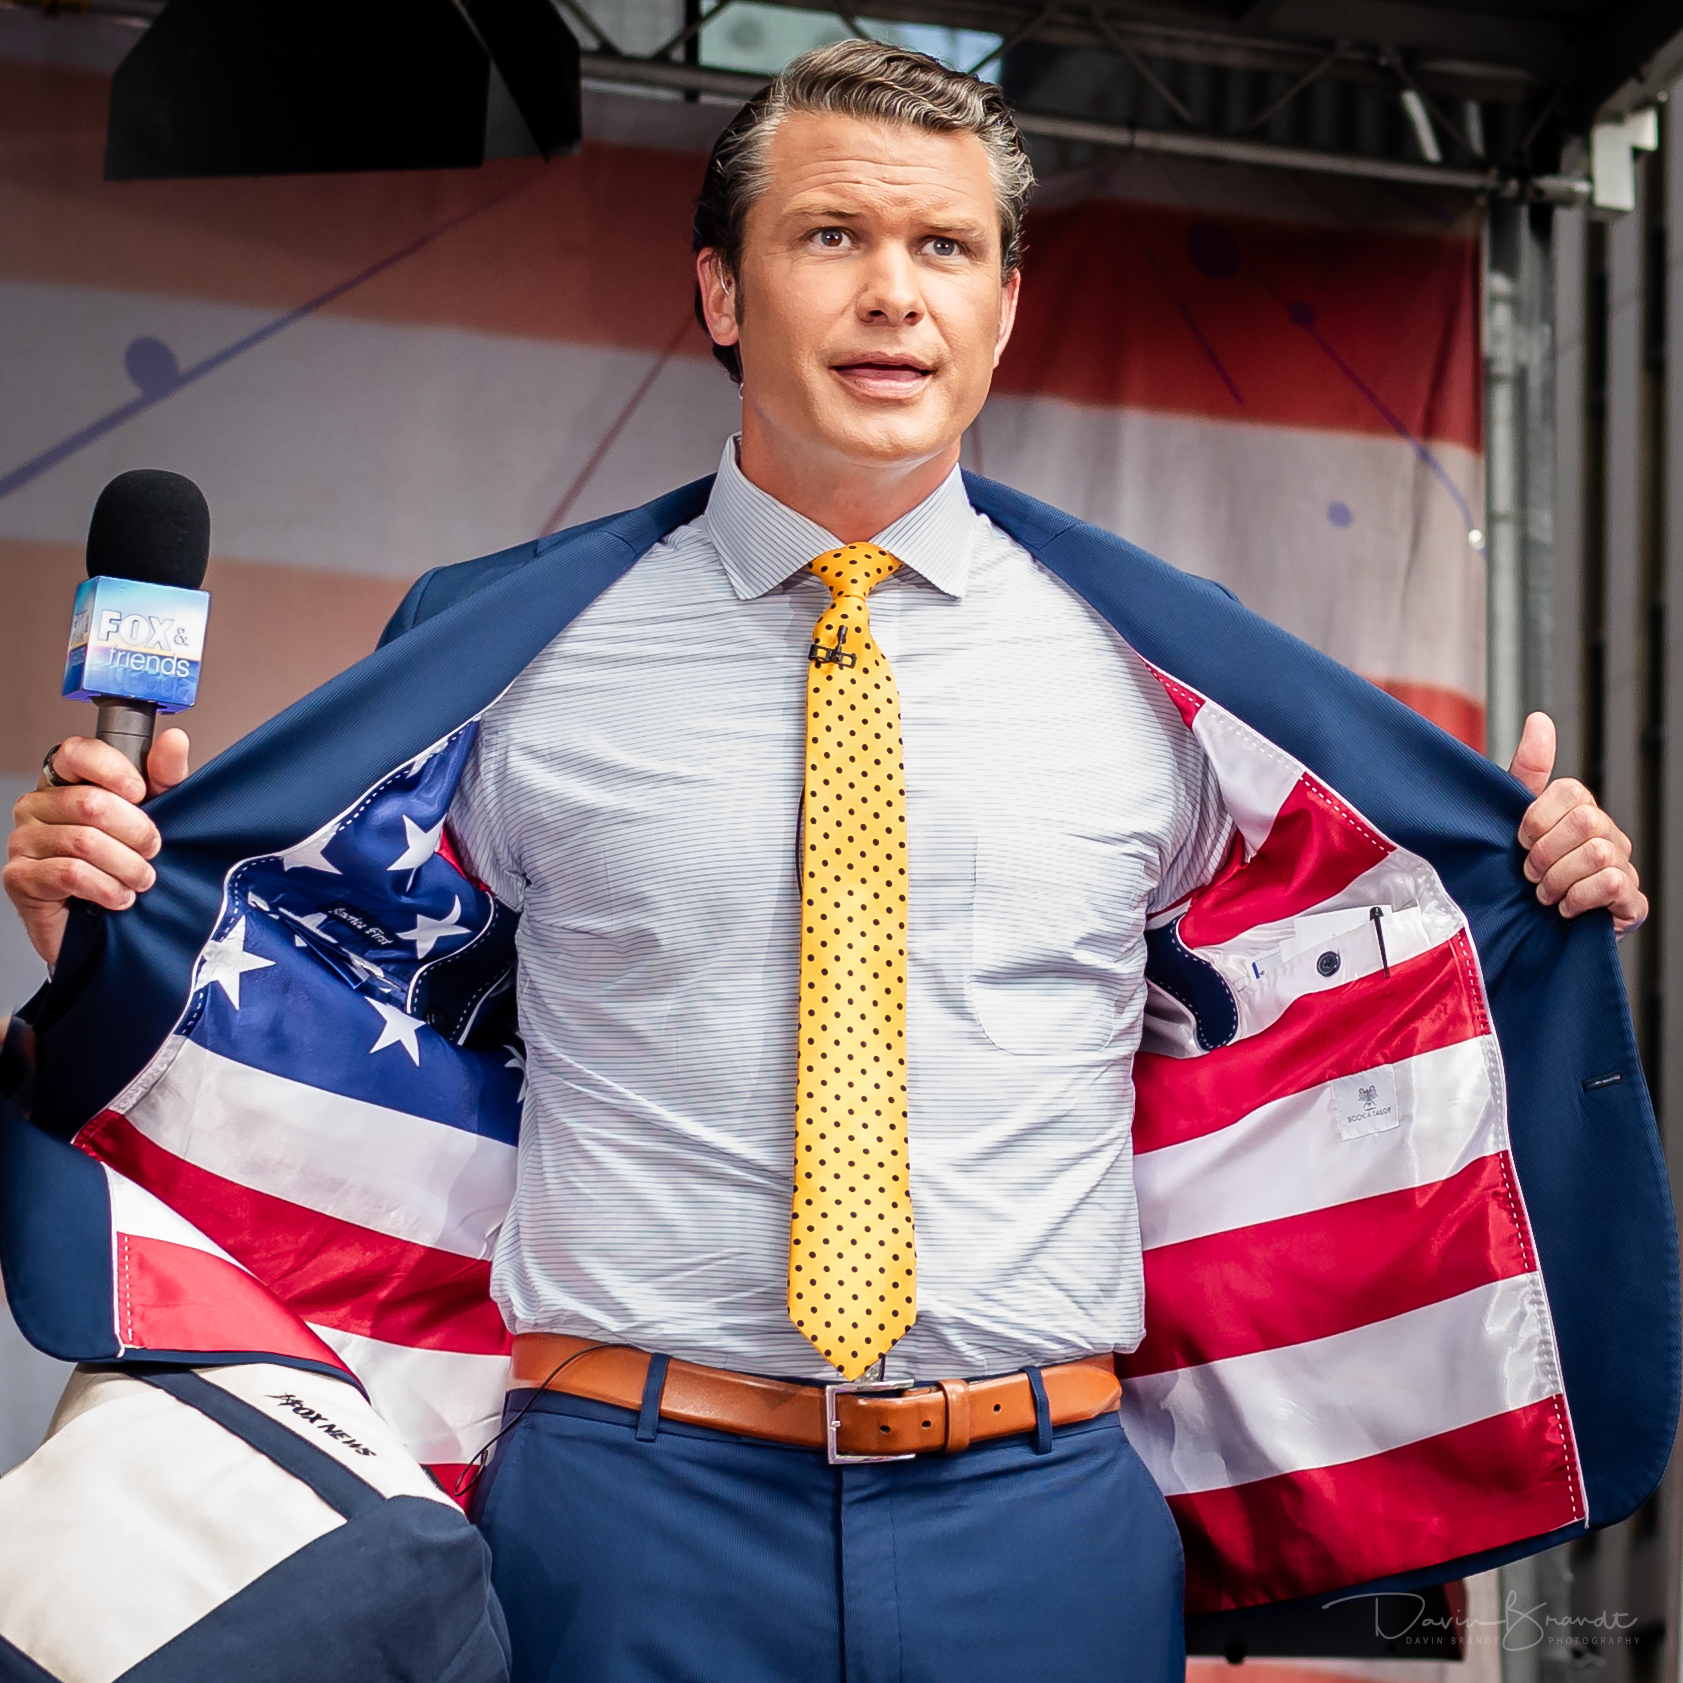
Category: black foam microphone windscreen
<point>137,634</point>
<point>153,526</point>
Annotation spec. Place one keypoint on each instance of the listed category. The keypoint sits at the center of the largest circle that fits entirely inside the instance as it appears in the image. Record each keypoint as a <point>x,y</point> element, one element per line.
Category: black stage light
<point>231,87</point>
<point>538,58</point>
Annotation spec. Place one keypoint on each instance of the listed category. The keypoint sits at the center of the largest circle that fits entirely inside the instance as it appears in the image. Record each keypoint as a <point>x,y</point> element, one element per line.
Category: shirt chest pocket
<point>1055,925</point>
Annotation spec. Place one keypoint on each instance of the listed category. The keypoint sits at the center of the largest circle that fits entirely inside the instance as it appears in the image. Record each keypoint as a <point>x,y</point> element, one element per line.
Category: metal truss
<point>1131,137</point>
<point>1140,34</point>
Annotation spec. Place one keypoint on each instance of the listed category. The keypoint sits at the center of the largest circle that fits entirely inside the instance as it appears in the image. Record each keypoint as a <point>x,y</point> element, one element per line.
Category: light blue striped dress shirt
<point>634,794</point>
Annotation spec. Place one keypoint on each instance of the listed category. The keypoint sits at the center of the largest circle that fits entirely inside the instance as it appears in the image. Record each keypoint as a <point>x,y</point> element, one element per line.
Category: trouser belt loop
<point>648,1416</point>
<point>1042,1412</point>
<point>957,1393</point>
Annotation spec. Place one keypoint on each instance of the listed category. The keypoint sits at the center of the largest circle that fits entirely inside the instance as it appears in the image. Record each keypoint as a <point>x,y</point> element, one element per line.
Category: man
<point>839,829</point>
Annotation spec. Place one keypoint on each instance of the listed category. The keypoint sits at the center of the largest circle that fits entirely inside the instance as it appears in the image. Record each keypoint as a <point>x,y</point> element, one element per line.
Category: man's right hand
<point>90,841</point>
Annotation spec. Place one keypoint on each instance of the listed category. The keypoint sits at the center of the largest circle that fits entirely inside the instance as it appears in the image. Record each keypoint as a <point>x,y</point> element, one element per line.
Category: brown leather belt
<point>864,1421</point>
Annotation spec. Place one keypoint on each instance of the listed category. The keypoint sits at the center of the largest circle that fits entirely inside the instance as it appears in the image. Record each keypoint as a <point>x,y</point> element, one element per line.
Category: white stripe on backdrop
<point>346,443</point>
<point>1342,538</point>
<point>376,447</point>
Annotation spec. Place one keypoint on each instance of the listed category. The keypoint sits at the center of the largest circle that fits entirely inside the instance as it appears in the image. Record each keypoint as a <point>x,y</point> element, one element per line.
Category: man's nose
<point>892,292</point>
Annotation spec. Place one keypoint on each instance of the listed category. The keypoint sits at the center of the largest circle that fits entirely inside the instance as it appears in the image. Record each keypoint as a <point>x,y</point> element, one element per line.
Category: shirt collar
<point>762,542</point>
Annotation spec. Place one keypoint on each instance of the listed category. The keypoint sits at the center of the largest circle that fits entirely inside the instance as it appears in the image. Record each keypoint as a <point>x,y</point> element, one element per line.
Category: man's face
<point>872,307</point>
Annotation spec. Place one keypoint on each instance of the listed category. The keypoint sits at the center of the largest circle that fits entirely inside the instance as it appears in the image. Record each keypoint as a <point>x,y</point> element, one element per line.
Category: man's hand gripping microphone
<point>135,643</point>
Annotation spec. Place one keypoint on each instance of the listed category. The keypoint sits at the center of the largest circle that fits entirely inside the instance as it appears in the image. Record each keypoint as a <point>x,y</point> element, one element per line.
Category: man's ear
<point>718,296</point>
<point>1008,295</point>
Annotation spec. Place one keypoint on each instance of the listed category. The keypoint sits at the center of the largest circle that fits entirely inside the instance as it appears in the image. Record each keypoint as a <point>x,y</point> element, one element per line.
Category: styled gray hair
<point>878,83</point>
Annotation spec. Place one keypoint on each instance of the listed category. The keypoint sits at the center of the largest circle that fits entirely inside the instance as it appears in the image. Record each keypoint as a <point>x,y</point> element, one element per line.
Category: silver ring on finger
<point>54,781</point>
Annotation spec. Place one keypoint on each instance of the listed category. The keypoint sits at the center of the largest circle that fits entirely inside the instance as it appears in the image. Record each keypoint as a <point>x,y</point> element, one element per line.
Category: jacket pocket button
<point>1328,964</point>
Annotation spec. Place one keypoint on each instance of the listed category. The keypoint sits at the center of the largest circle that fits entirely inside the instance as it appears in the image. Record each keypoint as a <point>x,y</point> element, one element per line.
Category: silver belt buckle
<point>832,1425</point>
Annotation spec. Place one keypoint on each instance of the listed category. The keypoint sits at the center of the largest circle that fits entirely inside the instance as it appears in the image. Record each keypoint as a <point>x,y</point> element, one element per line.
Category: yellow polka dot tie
<point>852,1265</point>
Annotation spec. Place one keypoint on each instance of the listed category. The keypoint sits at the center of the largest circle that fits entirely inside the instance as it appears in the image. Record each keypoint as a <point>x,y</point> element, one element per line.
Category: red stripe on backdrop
<point>173,1297</point>
<point>1327,1271</point>
<point>328,1271</point>
<point>1240,319</point>
<point>593,249</point>
<point>1315,849</point>
<point>1427,1002</point>
<point>1478,1487</point>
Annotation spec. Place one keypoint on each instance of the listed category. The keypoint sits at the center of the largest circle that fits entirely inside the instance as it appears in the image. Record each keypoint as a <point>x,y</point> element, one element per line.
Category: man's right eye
<point>831,239</point>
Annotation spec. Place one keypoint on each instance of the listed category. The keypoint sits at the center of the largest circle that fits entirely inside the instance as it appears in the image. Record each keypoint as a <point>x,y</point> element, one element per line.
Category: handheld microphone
<point>138,630</point>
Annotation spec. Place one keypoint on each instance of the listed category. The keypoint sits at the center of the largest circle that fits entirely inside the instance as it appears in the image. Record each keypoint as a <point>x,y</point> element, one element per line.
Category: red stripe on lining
<point>1427,1002</point>
<point>1328,1271</point>
<point>1315,849</point>
<point>325,1270</point>
<point>173,1297</point>
<point>1478,1487</point>
<point>448,852</point>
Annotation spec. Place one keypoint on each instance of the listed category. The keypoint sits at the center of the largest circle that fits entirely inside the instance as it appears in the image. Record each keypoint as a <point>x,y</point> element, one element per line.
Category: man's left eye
<point>943,248</point>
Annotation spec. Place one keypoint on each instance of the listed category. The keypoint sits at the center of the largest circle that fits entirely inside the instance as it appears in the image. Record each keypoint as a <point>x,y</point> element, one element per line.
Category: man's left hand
<point>1577,856</point>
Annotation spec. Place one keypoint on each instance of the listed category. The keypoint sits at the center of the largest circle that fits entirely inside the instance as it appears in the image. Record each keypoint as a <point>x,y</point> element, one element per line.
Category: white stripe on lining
<point>1414,922</point>
<point>1338,1399</point>
<point>383,1169</point>
<point>1255,776</point>
<point>444,1406</point>
<point>1289,1157</point>
<point>1263,1001</point>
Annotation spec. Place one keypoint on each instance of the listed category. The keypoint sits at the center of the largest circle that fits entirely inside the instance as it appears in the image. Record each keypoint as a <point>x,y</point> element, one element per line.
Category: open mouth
<point>884,374</point>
